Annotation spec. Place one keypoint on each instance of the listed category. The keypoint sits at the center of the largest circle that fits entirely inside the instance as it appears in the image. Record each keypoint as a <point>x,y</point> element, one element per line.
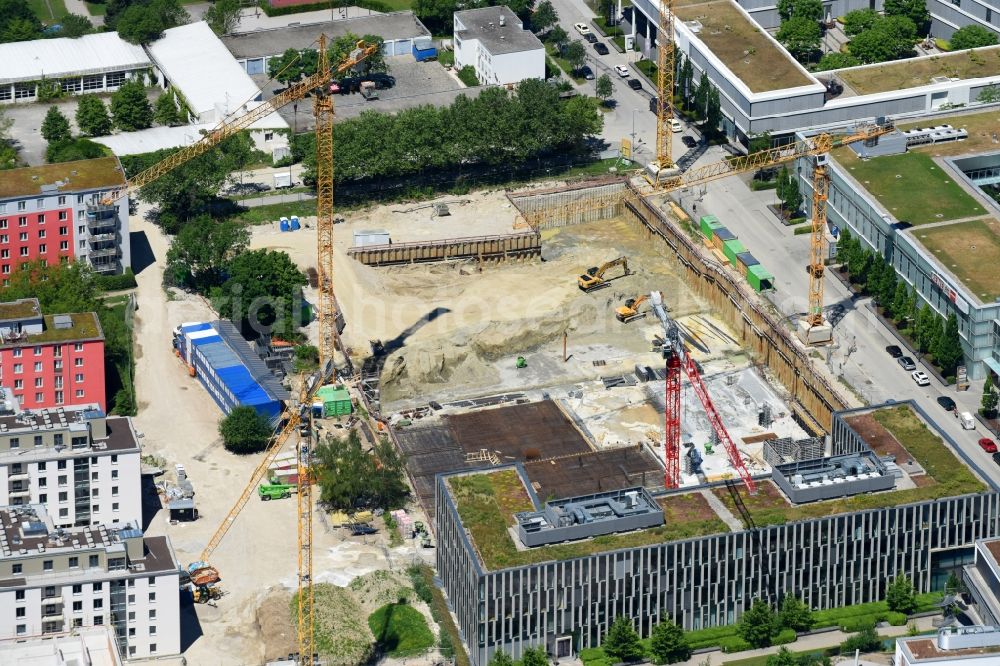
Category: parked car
<point>586,72</point>
<point>907,363</point>
<point>947,403</point>
<point>676,125</point>
<point>894,351</point>
<point>921,378</point>
<point>634,84</point>
<point>988,445</point>
<point>623,71</point>
<point>590,37</point>
<point>601,48</point>
<point>582,28</point>
<point>689,141</point>
<point>380,79</point>
<point>996,458</point>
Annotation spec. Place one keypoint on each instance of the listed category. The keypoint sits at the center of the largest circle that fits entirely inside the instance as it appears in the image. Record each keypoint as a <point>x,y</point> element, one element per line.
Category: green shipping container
<point>709,223</point>
<point>759,278</point>
<point>731,248</point>
<point>336,401</point>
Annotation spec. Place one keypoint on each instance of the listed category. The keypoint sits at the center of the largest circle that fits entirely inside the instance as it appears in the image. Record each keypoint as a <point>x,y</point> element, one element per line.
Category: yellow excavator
<point>630,310</point>
<point>593,279</point>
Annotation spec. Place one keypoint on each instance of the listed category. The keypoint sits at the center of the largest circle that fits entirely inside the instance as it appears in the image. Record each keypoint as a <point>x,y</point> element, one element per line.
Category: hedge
<point>734,644</point>
<point>784,637</point>
<point>799,231</point>
<point>758,185</point>
<point>896,619</point>
<point>116,282</point>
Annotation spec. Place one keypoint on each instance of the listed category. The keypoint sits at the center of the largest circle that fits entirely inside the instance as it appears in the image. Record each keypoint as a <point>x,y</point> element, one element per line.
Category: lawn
<point>391,5</point>
<point>272,212</point>
<point>450,643</point>
<point>563,64</point>
<point>97,9</point>
<point>743,46</point>
<point>48,11</point>
<point>912,73</point>
<point>769,506</point>
<point>964,248</point>
<point>911,186</point>
<point>980,126</point>
<point>400,630</point>
<point>487,502</point>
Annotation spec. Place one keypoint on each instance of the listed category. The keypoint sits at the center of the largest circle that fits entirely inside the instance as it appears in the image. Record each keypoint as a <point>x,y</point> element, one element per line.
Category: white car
<point>921,378</point>
<point>582,28</point>
<point>623,71</point>
<point>676,125</point>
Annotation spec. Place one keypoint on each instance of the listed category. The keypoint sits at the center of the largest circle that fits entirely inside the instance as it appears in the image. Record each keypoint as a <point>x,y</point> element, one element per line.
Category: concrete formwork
<point>482,248</point>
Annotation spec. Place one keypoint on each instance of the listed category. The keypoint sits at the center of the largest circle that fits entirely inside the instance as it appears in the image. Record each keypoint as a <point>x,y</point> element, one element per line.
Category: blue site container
<point>423,49</point>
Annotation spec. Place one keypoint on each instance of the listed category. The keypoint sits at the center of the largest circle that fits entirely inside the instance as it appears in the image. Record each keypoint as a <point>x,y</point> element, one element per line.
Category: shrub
<point>116,282</point>
<point>861,622</point>
<point>245,431</point>
<point>467,75</point>
<point>784,637</point>
<point>733,644</point>
<point>895,619</point>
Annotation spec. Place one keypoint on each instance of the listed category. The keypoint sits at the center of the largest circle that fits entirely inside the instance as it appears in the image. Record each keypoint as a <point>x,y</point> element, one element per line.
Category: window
<point>152,597</point>
<point>151,581</point>
<point>79,393</point>
<point>152,630</point>
<point>43,248</point>
<point>41,233</point>
<point>152,614</point>
<point>95,508</point>
<point>39,203</point>
<point>59,397</point>
<point>93,476</point>
<point>131,632</point>
<point>38,366</point>
<point>78,347</point>
<point>114,459</point>
<point>6,270</point>
<point>16,569</point>
<point>64,231</point>
<point>94,561</point>
<point>23,236</point>
<point>21,205</point>
<point>24,251</point>
<point>74,562</point>
<point>62,200</point>
<point>21,630</point>
<point>95,492</point>
<point>98,587</point>
<point>41,218</point>
<point>81,229</point>
<point>114,474</point>
<point>5,254</point>
<point>131,650</point>
<point>152,648</point>
<point>131,597</point>
<point>78,362</point>
<point>98,604</point>
<point>98,620</point>
<point>115,79</point>
<point>79,378</point>
<point>131,616</point>
<point>46,565</point>
<point>49,592</point>
<point>77,589</point>
<point>61,464</point>
<point>93,83</point>
<point>64,513</point>
<point>114,506</point>
<point>63,216</point>
<point>79,198</point>
<point>18,368</point>
<point>42,482</point>
<point>114,491</point>
<point>989,15</point>
<point>43,498</point>
<point>39,440</point>
<point>77,606</point>
<point>57,439</point>
<point>63,245</point>
<point>20,612</point>
<point>38,384</point>
<point>39,397</point>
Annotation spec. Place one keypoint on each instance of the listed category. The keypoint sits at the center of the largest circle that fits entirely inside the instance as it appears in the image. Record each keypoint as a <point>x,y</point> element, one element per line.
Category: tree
<point>387,482</point>
<point>92,116</point>
<point>990,398</point>
<point>130,108</point>
<point>915,10</point>
<point>887,286</point>
<point>575,54</point>
<point>760,142</point>
<point>701,96</point>
<point>948,353</point>
<point>621,642</point>
<point>245,431</point>
<point>55,127</point>
<point>685,82</point>
<point>795,614</point>
<point>263,294</point>
<point>292,65</point>
<point>928,328</point>
<point>800,36</point>
<point>836,61</point>
<point>807,9</point>
<point>144,21</point>
<point>165,111</point>
<point>900,301</point>
<point>782,658</point>
<point>199,254</point>
<point>342,47</point>
<point>18,22</point>
<point>889,38</point>
<point>223,16</point>
<point>954,584</point>
<point>72,150</point>
<point>557,36</point>
<point>788,192</point>
<point>604,87</point>
<point>501,659</point>
<point>758,624</point>
<point>972,37</point>
<point>534,657</point>
<point>859,20</point>
<point>344,470</point>
<point>437,15</point>
<point>713,114</point>
<point>866,640</point>
<point>668,644</point>
<point>544,17</point>
<point>900,595</point>
<point>74,25</point>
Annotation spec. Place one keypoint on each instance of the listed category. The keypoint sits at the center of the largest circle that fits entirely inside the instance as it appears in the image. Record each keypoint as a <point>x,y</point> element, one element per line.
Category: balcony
<point>103,238</point>
<point>104,252</point>
<point>106,267</point>
<point>20,476</point>
<point>102,219</point>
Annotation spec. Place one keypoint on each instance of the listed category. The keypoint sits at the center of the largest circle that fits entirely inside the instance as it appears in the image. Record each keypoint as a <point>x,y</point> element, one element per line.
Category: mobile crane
<point>630,310</point>
<point>323,110</point>
<point>593,279</point>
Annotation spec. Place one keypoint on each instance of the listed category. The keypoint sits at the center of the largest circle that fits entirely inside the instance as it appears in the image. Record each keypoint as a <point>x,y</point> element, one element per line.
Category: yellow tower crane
<point>663,168</point>
<point>319,85</point>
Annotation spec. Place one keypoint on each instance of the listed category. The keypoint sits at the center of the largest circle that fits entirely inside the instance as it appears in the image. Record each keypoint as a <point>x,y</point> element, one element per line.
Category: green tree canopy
<point>859,20</point>
<point>758,624</point>
<point>144,21</point>
<point>74,25</point>
<point>557,36</point>
<point>604,87</point>
<point>223,16</point>
<point>575,54</point>
<point>669,644</point>
<point>972,37</point>
<point>836,61</point>
<point>18,22</point>
<point>795,614</point>
<point>92,116</point>
<point>800,36</point>
<point>55,127</point>
<point>990,397</point>
<point>807,9</point>
<point>915,10</point>
<point>165,111</point>
<point>72,150</point>
<point>344,473</point>
<point>889,38</point>
<point>900,595</point>
<point>202,249</point>
<point>621,642</point>
<point>534,657</point>
<point>712,126</point>
<point>130,108</point>
<point>544,16</point>
<point>948,353</point>
<point>783,657</point>
<point>866,640</point>
<point>263,294</point>
<point>501,659</point>
<point>245,431</point>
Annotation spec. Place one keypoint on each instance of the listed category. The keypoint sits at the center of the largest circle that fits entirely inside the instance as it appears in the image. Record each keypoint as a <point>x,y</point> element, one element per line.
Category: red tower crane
<point>676,358</point>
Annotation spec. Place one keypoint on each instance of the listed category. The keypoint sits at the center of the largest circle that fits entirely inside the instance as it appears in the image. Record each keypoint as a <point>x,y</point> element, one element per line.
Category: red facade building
<point>51,360</point>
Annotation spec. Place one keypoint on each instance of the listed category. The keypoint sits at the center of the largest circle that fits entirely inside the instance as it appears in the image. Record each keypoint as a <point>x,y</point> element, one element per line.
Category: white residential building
<point>85,646</point>
<point>81,465</point>
<point>495,43</point>
<point>54,580</point>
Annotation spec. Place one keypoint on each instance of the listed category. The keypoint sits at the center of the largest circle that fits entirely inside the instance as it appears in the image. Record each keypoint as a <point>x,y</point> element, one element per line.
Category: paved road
<point>858,353</point>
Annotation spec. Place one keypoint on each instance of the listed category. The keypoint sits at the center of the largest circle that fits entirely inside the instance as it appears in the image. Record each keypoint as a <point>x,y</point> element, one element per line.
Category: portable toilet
<point>317,408</point>
<point>284,225</point>
<point>294,224</point>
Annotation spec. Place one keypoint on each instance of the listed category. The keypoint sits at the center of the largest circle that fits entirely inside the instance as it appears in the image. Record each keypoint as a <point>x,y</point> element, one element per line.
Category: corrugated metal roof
<point>244,388</point>
<point>205,337</point>
<point>63,57</point>
<point>219,355</point>
<point>195,326</point>
<point>253,363</point>
<point>159,138</point>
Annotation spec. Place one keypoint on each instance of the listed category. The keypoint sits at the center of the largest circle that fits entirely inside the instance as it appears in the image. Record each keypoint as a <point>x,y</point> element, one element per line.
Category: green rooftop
<point>85,326</point>
<point>24,308</point>
<point>915,72</point>
<point>964,248</point>
<point>100,173</point>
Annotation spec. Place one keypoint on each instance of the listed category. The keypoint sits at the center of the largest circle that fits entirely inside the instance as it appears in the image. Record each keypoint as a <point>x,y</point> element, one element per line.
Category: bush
<point>245,431</point>
<point>72,150</point>
<point>862,622</point>
<point>895,619</point>
<point>866,640</point>
<point>116,282</point>
<point>467,75</point>
<point>758,185</point>
<point>373,5</point>
<point>734,644</point>
<point>784,637</point>
<point>803,230</point>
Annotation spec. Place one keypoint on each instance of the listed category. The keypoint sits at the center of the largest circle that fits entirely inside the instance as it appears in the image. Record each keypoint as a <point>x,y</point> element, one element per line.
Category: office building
<point>493,41</point>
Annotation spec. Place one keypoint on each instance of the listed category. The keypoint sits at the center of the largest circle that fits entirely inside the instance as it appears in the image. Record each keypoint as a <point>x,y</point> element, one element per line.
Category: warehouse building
<point>674,556</point>
<point>55,213</point>
<point>55,580</point>
<point>494,42</point>
<point>51,360</point>
<point>98,63</point>
<point>80,464</point>
<point>228,368</point>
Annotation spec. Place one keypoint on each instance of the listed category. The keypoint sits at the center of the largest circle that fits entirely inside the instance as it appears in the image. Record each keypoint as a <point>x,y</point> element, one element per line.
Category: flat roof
<point>92,646</point>
<point>925,649</point>
<point>964,248</point>
<point>274,41</point>
<point>980,126</point>
<point>65,177</point>
<point>915,72</point>
<point>743,46</point>
<point>208,76</point>
<point>484,25</point>
<point>63,57</point>
<point>23,308</point>
<point>85,326</point>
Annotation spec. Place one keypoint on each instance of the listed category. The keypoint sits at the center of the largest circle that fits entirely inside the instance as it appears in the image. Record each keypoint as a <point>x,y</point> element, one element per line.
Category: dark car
<point>591,37</point>
<point>361,529</point>
<point>894,351</point>
<point>634,84</point>
<point>585,72</point>
<point>381,80</point>
<point>947,403</point>
<point>907,363</point>
<point>996,458</point>
<point>689,141</point>
<point>601,48</point>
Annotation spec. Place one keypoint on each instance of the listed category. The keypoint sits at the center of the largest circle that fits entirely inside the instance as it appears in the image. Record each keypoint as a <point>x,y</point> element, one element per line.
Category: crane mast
<point>665,71</point>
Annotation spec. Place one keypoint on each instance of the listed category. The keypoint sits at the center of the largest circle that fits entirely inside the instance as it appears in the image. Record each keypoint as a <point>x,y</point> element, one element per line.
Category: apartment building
<point>54,580</point>
<point>84,646</point>
<point>51,360</point>
<point>493,41</point>
<point>82,465</point>
<point>54,213</point>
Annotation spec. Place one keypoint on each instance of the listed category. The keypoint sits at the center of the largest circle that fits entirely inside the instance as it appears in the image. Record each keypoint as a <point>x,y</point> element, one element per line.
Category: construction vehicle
<point>593,279</point>
<point>204,593</point>
<point>275,490</point>
<point>630,310</point>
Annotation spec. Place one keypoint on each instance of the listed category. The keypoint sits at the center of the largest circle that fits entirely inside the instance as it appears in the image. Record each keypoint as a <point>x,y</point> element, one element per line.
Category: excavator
<point>630,310</point>
<point>593,279</point>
